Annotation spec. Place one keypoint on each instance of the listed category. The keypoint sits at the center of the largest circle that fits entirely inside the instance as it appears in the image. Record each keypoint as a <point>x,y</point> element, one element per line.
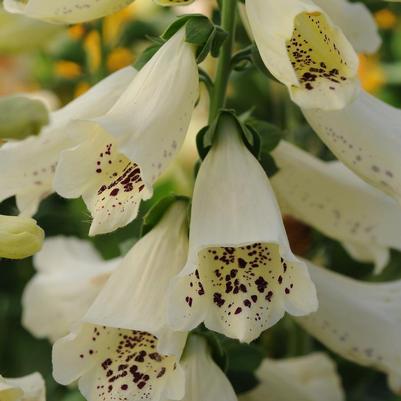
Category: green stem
<point>228,12</point>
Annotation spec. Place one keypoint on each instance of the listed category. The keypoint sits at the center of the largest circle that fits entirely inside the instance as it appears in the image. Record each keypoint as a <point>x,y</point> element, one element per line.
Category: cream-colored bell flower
<point>308,378</point>
<point>123,346</point>
<point>27,167</point>
<point>20,237</point>
<point>124,151</point>
<point>360,321</point>
<point>330,198</point>
<point>27,388</point>
<point>65,11</point>
<point>240,276</point>
<point>70,274</point>
<point>303,48</point>
<point>365,136</point>
<point>354,19</point>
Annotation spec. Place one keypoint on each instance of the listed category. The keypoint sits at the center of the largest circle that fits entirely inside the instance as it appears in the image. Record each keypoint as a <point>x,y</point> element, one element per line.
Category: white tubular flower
<point>124,151</point>
<point>65,11</point>
<point>304,50</point>
<point>204,379</point>
<point>356,22</point>
<point>360,321</point>
<point>330,198</point>
<point>70,274</point>
<point>240,276</point>
<point>365,136</point>
<point>27,388</point>
<point>309,378</point>
<point>27,167</point>
<point>124,348</point>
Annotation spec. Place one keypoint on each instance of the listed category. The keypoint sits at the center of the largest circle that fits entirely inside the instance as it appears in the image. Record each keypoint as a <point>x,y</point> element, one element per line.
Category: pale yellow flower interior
<point>315,54</point>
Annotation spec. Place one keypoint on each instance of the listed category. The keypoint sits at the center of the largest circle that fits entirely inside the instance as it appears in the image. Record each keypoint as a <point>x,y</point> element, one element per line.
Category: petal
<point>365,137</point>
<point>240,275</point>
<point>356,21</point>
<point>70,275</point>
<point>169,3</point>
<point>28,166</point>
<point>204,379</point>
<point>65,11</point>
<point>304,50</point>
<point>27,388</point>
<point>125,150</point>
<point>330,198</point>
<point>367,333</point>
<point>308,378</point>
<point>116,364</point>
<point>135,296</point>
<point>20,237</point>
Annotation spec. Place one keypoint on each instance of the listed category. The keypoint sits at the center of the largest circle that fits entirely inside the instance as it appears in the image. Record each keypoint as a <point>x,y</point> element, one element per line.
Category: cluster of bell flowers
<point>305,49</point>
<point>239,274</point>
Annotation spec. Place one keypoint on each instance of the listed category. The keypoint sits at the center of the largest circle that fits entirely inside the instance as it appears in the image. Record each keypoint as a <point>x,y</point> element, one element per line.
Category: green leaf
<point>198,30</point>
<point>270,134</point>
<point>155,214</point>
<point>268,164</point>
<point>146,55</point>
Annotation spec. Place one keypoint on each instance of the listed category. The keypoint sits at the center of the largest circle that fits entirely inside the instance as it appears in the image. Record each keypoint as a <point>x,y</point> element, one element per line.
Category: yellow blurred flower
<point>385,19</point>
<point>93,49</point>
<point>119,58</point>
<point>371,74</point>
<point>76,31</point>
<point>81,88</point>
<point>67,69</point>
<point>113,24</point>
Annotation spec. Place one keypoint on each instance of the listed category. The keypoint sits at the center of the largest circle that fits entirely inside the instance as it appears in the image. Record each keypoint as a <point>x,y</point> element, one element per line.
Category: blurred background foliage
<point>59,63</point>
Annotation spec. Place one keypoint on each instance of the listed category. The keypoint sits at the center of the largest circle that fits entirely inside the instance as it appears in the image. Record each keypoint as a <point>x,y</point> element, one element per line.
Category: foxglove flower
<point>28,166</point>
<point>308,378</point>
<point>303,49</point>
<point>20,237</point>
<point>123,348</point>
<point>203,378</point>
<point>360,321</point>
<point>70,274</point>
<point>27,388</point>
<point>329,197</point>
<point>65,11</point>
<point>365,136</point>
<point>123,152</point>
<point>240,276</point>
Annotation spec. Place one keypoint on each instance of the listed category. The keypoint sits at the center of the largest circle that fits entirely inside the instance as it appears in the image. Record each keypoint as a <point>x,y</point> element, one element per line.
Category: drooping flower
<point>354,19</point>
<point>240,276</point>
<point>123,152</point>
<point>309,378</point>
<point>124,348</point>
<point>203,378</point>
<point>329,197</point>
<point>303,49</point>
<point>360,321</point>
<point>365,136</point>
<point>20,237</point>
<point>27,388</point>
<point>28,166</point>
<point>70,274</point>
<point>65,11</point>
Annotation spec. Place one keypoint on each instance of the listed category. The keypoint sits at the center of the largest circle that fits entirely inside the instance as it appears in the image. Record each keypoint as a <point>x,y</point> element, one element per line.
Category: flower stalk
<point>217,101</point>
